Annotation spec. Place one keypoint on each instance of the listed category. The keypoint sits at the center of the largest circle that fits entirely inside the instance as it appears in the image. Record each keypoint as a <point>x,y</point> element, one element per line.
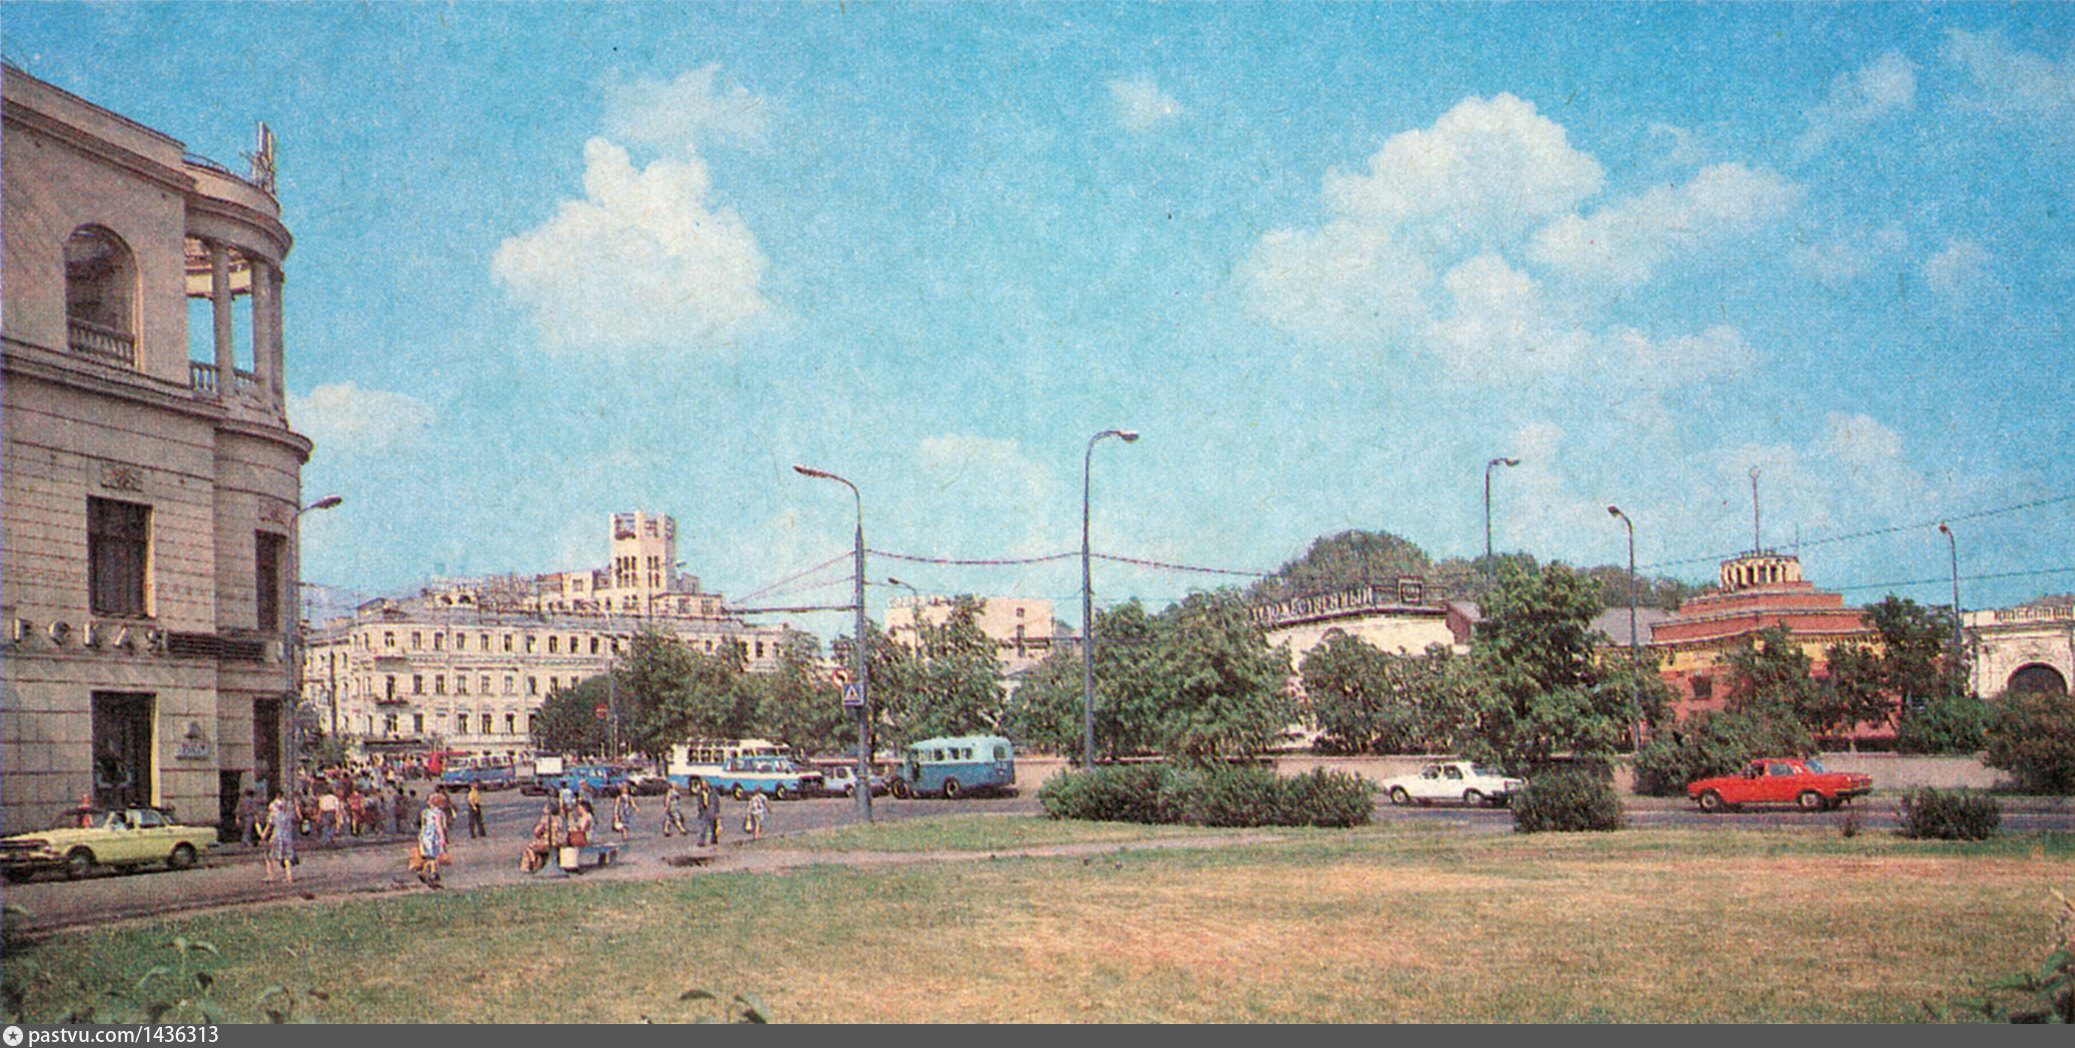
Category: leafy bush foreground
<point>1207,796</point>
<point>1567,801</point>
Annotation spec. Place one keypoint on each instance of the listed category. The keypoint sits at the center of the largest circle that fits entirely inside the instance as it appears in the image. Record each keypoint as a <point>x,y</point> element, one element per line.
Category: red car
<point>1780,780</point>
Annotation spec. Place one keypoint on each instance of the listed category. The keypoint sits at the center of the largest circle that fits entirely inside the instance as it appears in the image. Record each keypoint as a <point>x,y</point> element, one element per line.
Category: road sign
<point>600,710</point>
<point>853,696</point>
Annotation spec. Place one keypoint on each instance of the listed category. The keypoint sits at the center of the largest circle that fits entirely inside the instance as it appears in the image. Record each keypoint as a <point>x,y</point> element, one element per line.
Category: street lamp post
<point>1952,546</point>
<point>858,651</point>
<point>295,645</point>
<point>1088,603</point>
<point>1634,655</point>
<point>1487,504</point>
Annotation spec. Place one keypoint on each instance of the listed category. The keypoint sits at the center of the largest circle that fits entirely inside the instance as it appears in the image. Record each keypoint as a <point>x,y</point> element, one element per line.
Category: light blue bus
<point>956,766</point>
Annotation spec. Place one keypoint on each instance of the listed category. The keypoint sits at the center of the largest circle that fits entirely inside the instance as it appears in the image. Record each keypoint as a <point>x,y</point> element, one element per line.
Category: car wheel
<point>740,793</point>
<point>899,789</point>
<point>183,856</point>
<point>1399,797</point>
<point>1475,799</point>
<point>784,793</point>
<point>1810,800</point>
<point>1711,802</point>
<point>952,789</point>
<point>78,863</point>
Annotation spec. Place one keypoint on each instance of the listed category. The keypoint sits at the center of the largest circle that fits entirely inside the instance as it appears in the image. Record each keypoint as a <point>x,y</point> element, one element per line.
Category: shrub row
<point>1955,815</point>
<point>1214,796</point>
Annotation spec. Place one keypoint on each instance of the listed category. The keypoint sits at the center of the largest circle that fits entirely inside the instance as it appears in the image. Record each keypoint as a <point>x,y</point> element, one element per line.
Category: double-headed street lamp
<point>1487,504</point>
<point>1635,660</point>
<point>1088,604</point>
<point>859,653</point>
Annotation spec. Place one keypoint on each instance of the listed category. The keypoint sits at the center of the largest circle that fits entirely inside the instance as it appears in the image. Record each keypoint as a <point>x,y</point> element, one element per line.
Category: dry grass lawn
<point>1373,925</point>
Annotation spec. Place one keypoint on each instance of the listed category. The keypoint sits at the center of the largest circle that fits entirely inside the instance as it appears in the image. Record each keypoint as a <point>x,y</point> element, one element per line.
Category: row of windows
<point>118,559</point>
<point>528,642</point>
<point>483,724</point>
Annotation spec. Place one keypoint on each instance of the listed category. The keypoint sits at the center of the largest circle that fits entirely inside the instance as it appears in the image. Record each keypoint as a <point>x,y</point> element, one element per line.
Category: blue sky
<point>556,260</point>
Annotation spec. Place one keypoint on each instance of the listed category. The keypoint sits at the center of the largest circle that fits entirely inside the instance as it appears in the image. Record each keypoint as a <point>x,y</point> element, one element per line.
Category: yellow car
<point>83,838</point>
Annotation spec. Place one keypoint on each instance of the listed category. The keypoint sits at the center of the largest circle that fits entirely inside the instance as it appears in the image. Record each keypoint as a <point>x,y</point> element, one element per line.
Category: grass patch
<point>1380,924</point>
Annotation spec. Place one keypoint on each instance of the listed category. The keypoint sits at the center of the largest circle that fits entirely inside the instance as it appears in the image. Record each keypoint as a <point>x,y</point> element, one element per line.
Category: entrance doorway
<point>122,748</point>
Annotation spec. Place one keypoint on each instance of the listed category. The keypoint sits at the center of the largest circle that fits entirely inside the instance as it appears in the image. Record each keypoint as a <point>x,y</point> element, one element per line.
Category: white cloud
<point>644,259</point>
<point>1501,325</point>
<point>1142,106</point>
<point>343,418</point>
<point>2017,86</point>
<point>1629,241</point>
<point>1958,269</point>
<point>1681,146</point>
<point>1840,260</point>
<point>1858,98</point>
<point>1345,282</point>
<point>1871,466</point>
<point>679,114</point>
<point>1720,350</point>
<point>1487,169</point>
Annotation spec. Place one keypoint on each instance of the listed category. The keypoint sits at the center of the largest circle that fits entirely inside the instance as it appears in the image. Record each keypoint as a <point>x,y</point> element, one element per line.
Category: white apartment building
<point>1020,627</point>
<point>466,664</point>
<point>152,488</point>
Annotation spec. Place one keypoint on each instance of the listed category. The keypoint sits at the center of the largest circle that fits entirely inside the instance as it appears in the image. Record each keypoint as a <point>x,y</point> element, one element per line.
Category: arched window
<point>100,289</point>
<point>2038,676</point>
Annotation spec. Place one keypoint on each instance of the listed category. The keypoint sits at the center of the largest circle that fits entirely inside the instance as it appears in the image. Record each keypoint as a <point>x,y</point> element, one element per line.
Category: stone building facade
<point>151,489</point>
<point>2029,648</point>
<point>1020,627</point>
<point>466,664</point>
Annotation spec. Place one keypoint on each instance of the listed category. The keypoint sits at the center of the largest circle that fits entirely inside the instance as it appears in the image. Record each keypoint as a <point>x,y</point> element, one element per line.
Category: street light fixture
<point>295,636</point>
<point>1952,546</point>
<point>1088,603</point>
<point>1487,504</point>
<point>858,650</point>
<point>1635,660</point>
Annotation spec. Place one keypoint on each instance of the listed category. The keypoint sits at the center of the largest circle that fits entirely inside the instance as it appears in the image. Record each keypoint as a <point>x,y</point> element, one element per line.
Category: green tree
<point>2031,734</point>
<point>797,706</point>
<point>1229,690</point>
<point>1343,561</point>
<point>950,684</point>
<point>1366,700</point>
<point>1534,669</point>
<point>567,721</point>
<point>1770,670</point>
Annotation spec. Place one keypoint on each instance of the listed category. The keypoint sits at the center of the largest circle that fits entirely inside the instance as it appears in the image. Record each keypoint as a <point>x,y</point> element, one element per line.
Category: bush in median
<point>1956,815</point>
<point>1208,796</point>
<point>1567,801</point>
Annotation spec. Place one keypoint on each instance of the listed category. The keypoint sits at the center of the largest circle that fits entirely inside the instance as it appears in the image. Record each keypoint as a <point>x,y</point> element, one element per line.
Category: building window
<point>389,724</point>
<point>100,282</point>
<point>389,638</point>
<point>511,724</point>
<point>417,684</point>
<point>118,556</point>
<point>508,689</point>
<point>461,724</point>
<point>460,684</point>
<point>551,648</point>
<point>415,641</point>
<point>1703,688</point>
<point>533,687</point>
<point>594,645</point>
<point>417,723</point>
<point>507,642</point>
<point>438,639</point>
<point>267,550</point>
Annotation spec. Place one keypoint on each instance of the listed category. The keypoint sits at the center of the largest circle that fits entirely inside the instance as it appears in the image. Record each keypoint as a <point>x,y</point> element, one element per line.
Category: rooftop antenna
<point>1756,545</point>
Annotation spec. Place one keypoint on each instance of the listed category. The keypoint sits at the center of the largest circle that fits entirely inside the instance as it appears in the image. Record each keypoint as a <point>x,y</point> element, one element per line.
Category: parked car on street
<point>1800,781</point>
<point>83,838</point>
<point>1454,781</point>
<point>840,780</point>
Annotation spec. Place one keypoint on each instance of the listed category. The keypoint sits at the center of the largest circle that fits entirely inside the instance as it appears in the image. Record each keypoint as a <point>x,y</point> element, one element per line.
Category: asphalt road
<point>230,875</point>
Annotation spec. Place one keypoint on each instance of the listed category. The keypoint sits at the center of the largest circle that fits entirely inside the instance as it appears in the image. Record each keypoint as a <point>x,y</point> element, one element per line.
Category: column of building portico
<point>220,301</point>
<point>266,330</point>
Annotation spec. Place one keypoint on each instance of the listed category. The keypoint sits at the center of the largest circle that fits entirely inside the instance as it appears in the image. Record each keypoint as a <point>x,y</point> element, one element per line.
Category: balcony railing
<point>203,378</point>
<point>93,340</point>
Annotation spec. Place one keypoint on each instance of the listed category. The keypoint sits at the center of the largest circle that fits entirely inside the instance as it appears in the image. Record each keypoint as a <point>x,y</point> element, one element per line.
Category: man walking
<point>673,815</point>
<point>709,812</point>
<point>475,812</point>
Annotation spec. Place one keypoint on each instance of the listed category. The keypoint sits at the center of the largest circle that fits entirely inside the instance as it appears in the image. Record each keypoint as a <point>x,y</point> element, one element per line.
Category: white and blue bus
<point>743,767</point>
<point>956,766</point>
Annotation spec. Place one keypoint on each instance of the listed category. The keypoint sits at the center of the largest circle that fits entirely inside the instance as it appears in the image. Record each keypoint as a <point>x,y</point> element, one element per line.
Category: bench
<point>600,855</point>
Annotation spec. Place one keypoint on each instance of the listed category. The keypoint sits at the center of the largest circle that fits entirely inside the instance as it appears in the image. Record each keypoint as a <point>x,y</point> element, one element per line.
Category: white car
<point>1454,781</point>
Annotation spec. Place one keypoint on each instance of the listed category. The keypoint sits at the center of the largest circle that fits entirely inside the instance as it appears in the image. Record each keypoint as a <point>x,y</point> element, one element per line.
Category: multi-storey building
<point>151,488</point>
<point>1020,627</point>
<point>1758,591</point>
<point>466,664</point>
